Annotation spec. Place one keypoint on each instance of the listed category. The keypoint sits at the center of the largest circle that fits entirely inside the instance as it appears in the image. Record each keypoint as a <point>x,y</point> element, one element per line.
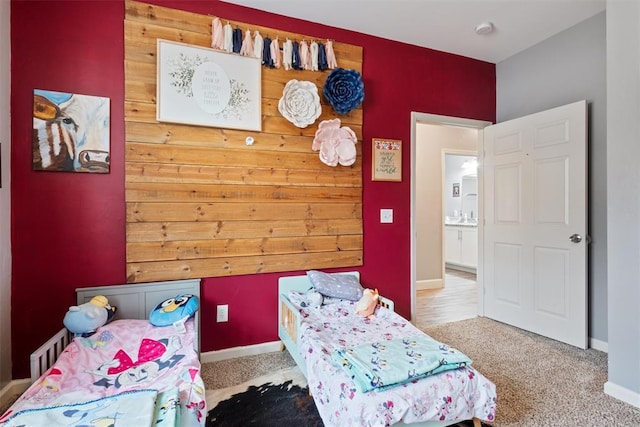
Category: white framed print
<point>206,87</point>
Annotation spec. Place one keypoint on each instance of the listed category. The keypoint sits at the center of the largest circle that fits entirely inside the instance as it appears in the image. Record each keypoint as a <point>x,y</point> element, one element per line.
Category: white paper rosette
<point>300,103</point>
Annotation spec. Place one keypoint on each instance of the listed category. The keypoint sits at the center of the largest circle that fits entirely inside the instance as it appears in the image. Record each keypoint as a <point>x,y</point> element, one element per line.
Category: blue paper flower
<point>344,90</point>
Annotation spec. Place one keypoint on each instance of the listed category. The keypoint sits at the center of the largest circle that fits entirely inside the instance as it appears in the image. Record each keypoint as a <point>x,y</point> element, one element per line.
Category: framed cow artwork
<point>71,132</point>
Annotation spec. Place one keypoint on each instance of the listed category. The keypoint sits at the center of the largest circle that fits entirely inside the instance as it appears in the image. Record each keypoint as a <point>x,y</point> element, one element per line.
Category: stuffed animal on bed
<point>83,320</point>
<point>174,311</point>
<point>366,306</point>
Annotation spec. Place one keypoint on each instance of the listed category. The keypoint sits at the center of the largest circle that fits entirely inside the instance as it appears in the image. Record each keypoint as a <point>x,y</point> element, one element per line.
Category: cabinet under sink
<point>461,246</point>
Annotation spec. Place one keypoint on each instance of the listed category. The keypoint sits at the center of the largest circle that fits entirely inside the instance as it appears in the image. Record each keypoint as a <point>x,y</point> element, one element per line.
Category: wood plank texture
<point>201,202</point>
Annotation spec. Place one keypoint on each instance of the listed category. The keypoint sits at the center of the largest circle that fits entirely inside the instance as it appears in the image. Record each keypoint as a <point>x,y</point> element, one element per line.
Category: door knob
<point>575,238</point>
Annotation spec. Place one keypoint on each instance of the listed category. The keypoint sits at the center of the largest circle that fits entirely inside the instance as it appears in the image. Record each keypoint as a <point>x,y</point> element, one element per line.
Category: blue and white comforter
<point>384,364</point>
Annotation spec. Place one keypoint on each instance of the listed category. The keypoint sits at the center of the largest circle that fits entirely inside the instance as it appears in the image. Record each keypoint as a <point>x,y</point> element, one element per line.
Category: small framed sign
<point>387,160</point>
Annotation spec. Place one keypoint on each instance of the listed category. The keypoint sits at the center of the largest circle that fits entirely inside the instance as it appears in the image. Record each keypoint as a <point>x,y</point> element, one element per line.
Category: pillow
<point>336,285</point>
<point>173,310</point>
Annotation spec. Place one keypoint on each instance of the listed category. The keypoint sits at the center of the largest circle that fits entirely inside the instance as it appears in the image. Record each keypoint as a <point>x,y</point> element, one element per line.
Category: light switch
<point>386,216</point>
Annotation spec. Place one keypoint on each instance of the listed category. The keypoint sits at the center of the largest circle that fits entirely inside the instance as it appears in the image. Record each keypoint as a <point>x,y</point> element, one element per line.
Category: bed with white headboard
<point>315,335</point>
<point>128,361</point>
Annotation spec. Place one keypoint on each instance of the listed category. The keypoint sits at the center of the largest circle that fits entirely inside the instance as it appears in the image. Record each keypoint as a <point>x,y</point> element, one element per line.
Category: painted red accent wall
<point>68,230</point>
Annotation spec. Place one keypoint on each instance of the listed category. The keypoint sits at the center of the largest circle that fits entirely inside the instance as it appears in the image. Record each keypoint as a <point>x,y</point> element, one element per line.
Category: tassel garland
<point>287,54</point>
<point>313,50</point>
<point>237,40</point>
<point>227,44</point>
<point>294,55</point>
<point>276,53</point>
<point>258,45</point>
<point>247,45</point>
<point>217,38</point>
<point>331,56</point>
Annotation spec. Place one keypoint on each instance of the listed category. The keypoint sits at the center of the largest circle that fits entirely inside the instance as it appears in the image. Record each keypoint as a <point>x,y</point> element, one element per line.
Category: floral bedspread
<point>459,394</point>
<point>125,359</point>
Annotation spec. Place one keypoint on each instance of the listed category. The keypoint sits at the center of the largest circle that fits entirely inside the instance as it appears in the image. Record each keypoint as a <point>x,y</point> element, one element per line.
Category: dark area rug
<point>280,405</point>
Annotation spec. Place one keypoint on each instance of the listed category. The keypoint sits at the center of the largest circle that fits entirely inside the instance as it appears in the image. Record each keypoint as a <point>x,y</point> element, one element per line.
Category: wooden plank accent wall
<point>201,203</point>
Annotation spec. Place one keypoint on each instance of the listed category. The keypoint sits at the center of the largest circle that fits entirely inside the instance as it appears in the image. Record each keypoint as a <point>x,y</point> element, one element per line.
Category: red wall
<point>68,230</point>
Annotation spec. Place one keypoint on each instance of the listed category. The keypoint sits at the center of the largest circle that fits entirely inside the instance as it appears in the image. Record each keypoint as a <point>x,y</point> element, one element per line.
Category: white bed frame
<point>288,331</point>
<point>132,302</point>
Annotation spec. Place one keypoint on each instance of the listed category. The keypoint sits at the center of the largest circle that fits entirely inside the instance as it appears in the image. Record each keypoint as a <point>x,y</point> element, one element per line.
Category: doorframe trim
<point>435,119</point>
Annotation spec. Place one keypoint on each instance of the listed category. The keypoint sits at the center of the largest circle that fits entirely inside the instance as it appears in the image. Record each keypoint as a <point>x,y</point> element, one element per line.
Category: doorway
<point>427,260</point>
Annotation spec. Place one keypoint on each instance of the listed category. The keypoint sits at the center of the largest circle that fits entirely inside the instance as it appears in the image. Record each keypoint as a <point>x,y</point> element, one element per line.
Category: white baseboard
<point>621,393</point>
<point>14,387</point>
<point>247,350</point>
<point>428,284</point>
<point>599,345</point>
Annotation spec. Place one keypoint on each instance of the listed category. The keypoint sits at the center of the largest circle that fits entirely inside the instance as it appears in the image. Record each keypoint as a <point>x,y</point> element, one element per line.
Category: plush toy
<point>366,306</point>
<point>174,311</point>
<point>312,298</point>
<point>83,320</point>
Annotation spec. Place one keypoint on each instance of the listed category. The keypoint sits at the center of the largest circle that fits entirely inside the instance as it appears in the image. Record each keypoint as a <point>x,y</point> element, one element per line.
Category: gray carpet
<point>540,382</point>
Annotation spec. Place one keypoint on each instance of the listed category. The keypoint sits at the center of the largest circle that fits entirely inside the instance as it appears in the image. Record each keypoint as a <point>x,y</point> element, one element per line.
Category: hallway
<point>457,300</point>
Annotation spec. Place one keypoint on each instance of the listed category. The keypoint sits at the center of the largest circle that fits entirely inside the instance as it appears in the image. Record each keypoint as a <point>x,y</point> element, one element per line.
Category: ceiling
<point>445,25</point>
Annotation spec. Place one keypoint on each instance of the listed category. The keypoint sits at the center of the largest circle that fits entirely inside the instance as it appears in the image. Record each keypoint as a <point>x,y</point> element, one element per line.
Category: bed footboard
<point>288,323</point>
<point>48,353</point>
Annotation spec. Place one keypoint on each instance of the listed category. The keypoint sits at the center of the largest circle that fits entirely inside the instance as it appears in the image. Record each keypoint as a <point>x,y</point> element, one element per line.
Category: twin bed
<point>133,373</point>
<point>128,373</point>
<point>314,336</point>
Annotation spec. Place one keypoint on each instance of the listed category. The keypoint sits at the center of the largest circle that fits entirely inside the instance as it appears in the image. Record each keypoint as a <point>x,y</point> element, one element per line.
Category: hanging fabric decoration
<point>337,145</point>
<point>322,58</point>
<point>295,55</point>
<point>247,44</point>
<point>276,54</point>
<point>266,53</point>
<point>313,51</point>
<point>258,45</point>
<point>331,56</point>
<point>305,56</point>
<point>295,62</point>
<point>344,90</point>
<point>287,54</point>
<point>237,40</point>
<point>227,45</point>
<point>300,103</point>
<point>217,34</point>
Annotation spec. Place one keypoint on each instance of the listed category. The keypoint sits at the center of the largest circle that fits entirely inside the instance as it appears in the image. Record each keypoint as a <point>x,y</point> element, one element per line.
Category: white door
<point>535,244</point>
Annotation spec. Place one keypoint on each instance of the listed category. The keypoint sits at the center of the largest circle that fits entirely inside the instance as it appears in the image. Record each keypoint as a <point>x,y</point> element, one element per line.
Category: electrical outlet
<point>386,216</point>
<point>222,314</point>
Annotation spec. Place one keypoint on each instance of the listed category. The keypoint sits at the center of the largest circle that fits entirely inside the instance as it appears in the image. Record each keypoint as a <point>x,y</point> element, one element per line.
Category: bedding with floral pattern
<point>453,395</point>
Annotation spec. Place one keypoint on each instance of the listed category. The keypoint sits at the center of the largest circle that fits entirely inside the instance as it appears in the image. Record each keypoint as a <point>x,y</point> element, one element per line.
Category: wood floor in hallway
<point>457,300</point>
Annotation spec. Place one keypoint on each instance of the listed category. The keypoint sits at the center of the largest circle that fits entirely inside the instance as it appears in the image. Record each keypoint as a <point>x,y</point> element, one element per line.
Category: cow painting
<point>70,132</point>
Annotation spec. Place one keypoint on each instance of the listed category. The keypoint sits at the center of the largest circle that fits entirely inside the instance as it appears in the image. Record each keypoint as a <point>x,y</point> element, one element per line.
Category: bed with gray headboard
<point>133,301</point>
<point>140,370</point>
